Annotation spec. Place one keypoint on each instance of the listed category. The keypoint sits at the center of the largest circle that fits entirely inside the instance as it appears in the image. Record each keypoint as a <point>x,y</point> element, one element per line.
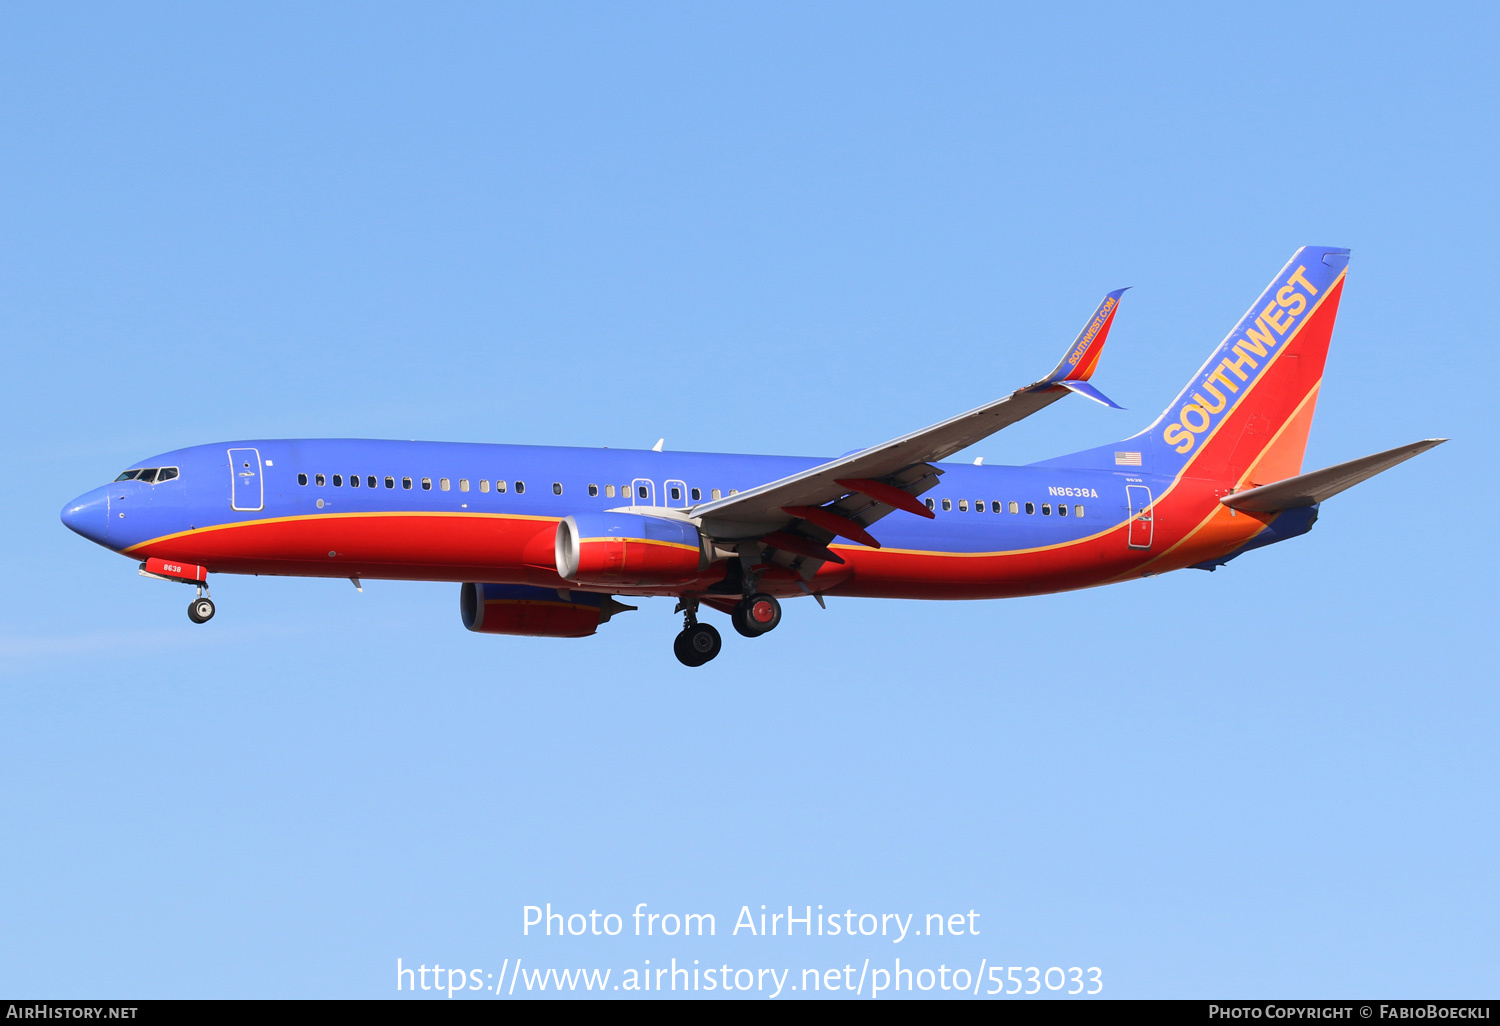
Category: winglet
<point>1083,355</point>
<point>1083,388</point>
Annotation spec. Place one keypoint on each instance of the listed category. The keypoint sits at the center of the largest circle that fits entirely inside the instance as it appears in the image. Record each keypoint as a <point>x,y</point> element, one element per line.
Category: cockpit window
<point>149,475</point>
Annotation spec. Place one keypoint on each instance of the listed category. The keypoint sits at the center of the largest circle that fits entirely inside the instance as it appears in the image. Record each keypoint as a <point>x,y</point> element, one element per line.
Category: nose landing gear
<point>201,609</point>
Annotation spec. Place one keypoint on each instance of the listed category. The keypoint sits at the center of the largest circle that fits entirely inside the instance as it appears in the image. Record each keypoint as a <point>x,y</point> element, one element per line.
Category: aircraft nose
<point>88,515</point>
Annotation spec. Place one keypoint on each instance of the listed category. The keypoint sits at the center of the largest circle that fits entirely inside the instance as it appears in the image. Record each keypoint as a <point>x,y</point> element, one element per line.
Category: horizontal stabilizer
<point>1313,488</point>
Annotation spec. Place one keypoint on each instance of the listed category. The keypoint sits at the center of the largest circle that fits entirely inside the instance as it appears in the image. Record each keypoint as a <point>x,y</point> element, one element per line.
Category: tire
<point>698,644</point>
<point>759,614</point>
<point>201,610</point>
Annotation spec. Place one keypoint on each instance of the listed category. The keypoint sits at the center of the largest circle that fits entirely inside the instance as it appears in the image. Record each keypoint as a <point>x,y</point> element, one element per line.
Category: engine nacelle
<point>537,612</point>
<point>620,549</point>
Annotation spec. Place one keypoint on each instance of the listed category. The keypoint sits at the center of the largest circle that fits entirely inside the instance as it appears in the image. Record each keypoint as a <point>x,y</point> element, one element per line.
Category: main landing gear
<point>698,642</point>
<point>756,614</point>
<point>753,616</point>
<point>201,609</point>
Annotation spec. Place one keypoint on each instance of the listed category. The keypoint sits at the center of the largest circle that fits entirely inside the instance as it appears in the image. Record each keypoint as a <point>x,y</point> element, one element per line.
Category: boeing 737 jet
<point>543,540</point>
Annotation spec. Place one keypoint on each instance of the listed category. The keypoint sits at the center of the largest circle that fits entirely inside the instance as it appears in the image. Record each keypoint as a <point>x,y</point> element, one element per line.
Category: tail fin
<point>1244,417</point>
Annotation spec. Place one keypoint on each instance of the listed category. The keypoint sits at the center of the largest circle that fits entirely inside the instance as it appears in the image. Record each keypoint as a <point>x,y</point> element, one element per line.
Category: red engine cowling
<point>536,612</point>
<point>628,549</point>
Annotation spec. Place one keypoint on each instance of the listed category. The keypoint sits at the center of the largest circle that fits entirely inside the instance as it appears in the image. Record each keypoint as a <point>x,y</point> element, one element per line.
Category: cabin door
<point>1141,515</point>
<point>246,488</point>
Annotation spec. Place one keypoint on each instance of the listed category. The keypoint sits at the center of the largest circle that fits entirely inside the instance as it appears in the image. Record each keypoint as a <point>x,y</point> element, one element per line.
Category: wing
<point>801,513</point>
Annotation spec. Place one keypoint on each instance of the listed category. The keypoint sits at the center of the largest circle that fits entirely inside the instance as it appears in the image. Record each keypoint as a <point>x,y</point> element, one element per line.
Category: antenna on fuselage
<point>658,445</point>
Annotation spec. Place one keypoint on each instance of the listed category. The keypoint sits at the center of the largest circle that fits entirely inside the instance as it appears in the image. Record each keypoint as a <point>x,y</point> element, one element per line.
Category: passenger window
<point>129,475</point>
<point>353,480</point>
<point>593,490</point>
<point>444,484</point>
<point>697,494</point>
<point>715,494</point>
<point>499,486</point>
<point>484,484</point>
<point>676,494</point>
<point>302,479</point>
<point>406,483</point>
<point>370,480</point>
<point>1062,509</point>
<point>1030,508</point>
<point>930,504</point>
<point>995,507</point>
<point>963,505</point>
<point>338,480</point>
<point>1078,511</point>
<point>463,484</point>
<point>640,491</point>
<point>556,487</point>
<point>149,476</point>
<point>426,484</point>
<point>520,487</point>
<point>947,505</point>
<point>1014,508</point>
<point>734,491</point>
<point>1046,509</point>
<point>168,473</point>
<point>390,482</point>
<point>320,480</point>
<point>609,491</point>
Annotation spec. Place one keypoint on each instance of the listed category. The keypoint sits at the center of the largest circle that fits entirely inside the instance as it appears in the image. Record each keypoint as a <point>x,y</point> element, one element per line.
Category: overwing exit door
<point>246,489</point>
<point>1142,526</point>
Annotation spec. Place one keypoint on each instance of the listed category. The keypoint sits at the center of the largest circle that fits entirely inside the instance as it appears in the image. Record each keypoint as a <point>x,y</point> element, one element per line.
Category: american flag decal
<point>1127,459</point>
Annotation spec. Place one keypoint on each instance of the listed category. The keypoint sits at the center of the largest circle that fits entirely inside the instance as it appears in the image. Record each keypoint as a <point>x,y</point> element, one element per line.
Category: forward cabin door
<point>1141,525</point>
<point>247,490</point>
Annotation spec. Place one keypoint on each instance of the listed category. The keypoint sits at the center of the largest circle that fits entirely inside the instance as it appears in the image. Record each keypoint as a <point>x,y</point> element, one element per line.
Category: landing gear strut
<point>201,609</point>
<point>756,615</point>
<point>698,642</point>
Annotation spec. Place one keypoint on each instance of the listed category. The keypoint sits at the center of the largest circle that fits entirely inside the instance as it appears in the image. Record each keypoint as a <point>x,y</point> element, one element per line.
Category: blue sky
<point>766,228</point>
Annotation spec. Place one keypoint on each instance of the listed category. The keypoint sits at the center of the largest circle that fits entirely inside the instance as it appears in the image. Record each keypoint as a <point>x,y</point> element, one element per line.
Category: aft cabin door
<point>1141,525</point>
<point>246,490</point>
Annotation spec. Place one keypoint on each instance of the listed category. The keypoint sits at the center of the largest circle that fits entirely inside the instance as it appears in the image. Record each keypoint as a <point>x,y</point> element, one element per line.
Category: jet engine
<point>538,612</point>
<point>624,549</point>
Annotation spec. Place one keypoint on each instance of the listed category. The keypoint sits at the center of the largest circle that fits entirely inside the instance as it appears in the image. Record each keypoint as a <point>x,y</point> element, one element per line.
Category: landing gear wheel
<point>201,610</point>
<point>697,644</point>
<point>756,615</point>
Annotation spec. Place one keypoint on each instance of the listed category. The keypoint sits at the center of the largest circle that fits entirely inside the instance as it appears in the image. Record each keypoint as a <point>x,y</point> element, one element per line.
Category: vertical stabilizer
<point>1244,417</point>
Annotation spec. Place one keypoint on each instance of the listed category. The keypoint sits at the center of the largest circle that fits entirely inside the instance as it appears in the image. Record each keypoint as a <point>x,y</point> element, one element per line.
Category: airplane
<point>546,540</point>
